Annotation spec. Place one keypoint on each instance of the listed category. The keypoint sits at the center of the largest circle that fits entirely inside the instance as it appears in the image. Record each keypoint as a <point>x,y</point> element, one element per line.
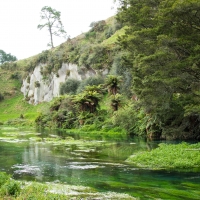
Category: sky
<point>19,19</point>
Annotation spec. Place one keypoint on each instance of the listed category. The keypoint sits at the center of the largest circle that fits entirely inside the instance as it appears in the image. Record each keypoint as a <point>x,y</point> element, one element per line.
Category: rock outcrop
<point>37,88</point>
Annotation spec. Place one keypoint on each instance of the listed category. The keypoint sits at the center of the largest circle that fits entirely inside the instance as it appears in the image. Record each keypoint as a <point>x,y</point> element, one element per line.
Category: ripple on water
<point>82,165</point>
<point>27,169</point>
<point>91,165</point>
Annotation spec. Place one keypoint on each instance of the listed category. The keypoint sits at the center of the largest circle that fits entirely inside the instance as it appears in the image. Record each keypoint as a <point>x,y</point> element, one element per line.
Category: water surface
<point>95,163</point>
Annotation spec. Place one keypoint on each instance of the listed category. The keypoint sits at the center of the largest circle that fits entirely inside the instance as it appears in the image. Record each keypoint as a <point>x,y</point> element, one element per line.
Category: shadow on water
<point>90,161</point>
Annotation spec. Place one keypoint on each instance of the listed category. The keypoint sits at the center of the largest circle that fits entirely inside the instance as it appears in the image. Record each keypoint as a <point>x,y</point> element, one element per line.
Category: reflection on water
<point>100,166</point>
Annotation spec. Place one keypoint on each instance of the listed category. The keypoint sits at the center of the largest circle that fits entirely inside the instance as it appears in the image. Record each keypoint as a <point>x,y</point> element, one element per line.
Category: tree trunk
<point>51,37</point>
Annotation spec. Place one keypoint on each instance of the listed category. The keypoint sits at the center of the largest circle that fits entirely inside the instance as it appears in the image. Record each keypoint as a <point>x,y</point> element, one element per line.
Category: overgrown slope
<point>95,49</point>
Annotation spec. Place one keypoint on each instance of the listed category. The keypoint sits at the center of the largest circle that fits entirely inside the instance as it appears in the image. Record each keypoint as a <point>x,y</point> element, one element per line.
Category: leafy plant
<point>169,156</point>
<point>69,87</point>
<point>3,178</point>
<point>112,82</point>
<point>91,81</point>
<point>37,84</point>
<point>11,188</point>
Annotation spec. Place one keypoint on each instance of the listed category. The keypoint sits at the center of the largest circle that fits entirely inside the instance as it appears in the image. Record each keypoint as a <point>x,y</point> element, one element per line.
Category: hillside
<point>94,50</point>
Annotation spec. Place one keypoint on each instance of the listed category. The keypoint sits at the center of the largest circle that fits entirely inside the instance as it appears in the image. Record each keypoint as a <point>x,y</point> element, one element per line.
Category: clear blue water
<point>101,166</point>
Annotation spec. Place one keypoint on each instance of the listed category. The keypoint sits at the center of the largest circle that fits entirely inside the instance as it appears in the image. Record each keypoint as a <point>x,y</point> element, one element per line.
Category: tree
<point>52,22</point>
<point>4,57</point>
<point>89,99</point>
<point>112,83</point>
<point>162,38</point>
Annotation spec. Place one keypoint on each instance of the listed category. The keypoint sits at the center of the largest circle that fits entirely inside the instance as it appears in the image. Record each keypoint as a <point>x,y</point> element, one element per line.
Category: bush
<point>3,178</point>
<point>37,84</point>
<point>15,75</point>
<point>1,97</point>
<point>98,57</point>
<point>130,119</point>
<point>96,80</point>
<point>11,187</point>
<point>69,87</point>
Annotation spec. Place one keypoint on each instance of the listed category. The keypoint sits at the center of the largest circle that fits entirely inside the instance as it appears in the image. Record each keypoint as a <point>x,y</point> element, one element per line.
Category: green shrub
<point>96,80</point>
<point>98,57</point>
<point>130,119</point>
<point>15,75</point>
<point>90,34</point>
<point>11,188</point>
<point>69,87</point>
<point>37,84</point>
<point>3,178</point>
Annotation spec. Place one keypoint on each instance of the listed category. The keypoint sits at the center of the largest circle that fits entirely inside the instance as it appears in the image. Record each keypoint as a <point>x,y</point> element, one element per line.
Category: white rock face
<point>49,87</point>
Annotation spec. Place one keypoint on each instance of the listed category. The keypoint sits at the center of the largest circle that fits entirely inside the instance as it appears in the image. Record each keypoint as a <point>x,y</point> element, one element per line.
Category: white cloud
<point>19,19</point>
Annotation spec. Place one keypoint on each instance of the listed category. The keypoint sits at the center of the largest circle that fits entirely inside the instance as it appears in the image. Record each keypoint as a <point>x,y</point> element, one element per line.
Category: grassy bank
<point>17,108</point>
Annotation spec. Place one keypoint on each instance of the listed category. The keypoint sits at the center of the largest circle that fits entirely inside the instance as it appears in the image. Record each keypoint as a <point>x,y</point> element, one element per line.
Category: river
<point>28,155</point>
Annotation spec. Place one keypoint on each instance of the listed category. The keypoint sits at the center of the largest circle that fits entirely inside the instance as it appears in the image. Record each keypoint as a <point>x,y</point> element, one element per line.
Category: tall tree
<point>52,23</point>
<point>163,38</point>
<point>4,57</point>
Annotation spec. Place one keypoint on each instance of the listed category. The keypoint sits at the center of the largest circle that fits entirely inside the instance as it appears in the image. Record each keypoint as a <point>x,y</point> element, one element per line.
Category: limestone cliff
<point>37,88</point>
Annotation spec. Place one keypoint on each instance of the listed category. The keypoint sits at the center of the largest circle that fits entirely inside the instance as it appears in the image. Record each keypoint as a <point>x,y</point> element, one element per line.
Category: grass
<point>13,108</point>
<point>113,39</point>
<point>170,156</point>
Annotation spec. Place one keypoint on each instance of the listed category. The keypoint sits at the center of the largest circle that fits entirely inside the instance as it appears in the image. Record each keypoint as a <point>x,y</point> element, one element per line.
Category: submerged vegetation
<point>170,156</point>
<point>11,189</point>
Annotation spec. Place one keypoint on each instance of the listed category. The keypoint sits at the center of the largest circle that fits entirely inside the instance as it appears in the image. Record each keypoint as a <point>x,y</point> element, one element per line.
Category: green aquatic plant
<point>169,156</point>
<point>12,189</point>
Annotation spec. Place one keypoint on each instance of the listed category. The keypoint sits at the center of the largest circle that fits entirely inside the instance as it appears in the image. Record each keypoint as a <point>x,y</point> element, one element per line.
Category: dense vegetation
<point>170,156</point>
<point>151,52</point>
<point>162,39</point>
<point>152,55</point>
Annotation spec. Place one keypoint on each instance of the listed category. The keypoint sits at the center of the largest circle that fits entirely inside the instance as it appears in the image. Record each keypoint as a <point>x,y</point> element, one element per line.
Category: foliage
<point>163,44</point>
<point>112,82</point>
<point>16,75</point>
<point>131,119</point>
<point>3,178</point>
<point>4,57</point>
<point>52,22</point>
<point>88,101</point>
<point>91,81</point>
<point>117,101</point>
<point>61,114</point>
<point>11,188</point>
<point>1,97</point>
<point>69,87</point>
<point>119,68</point>
<point>37,84</point>
<point>169,156</point>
